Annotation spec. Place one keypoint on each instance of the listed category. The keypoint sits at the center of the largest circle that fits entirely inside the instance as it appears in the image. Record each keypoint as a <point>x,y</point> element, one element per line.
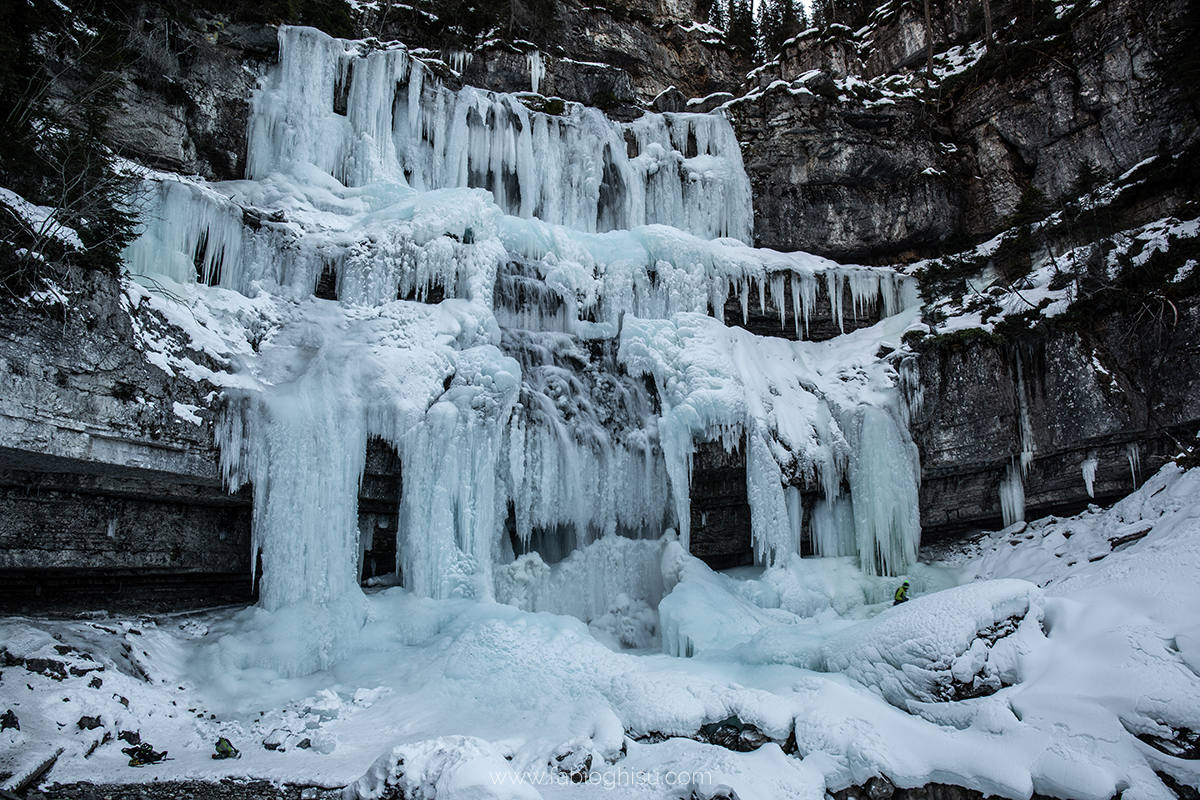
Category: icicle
<point>778,297</point>
<point>1089,473</point>
<point>833,286</point>
<point>1012,495</point>
<point>537,69</point>
<point>795,512</point>
<point>1134,451</point>
<point>459,60</point>
<point>770,527</point>
<point>1026,429</point>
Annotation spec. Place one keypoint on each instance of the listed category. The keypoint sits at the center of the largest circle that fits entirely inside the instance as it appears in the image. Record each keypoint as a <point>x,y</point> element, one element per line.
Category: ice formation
<point>530,310</point>
<point>1089,473</point>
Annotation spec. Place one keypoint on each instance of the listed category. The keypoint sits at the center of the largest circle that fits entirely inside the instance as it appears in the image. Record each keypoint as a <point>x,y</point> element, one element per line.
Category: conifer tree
<point>741,34</point>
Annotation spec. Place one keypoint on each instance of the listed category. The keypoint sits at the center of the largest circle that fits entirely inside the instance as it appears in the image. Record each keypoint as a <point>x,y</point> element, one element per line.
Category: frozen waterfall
<point>362,115</point>
<point>530,309</point>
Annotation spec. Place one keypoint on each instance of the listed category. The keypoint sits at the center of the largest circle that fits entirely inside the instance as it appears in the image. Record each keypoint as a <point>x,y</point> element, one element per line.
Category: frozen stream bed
<point>1060,657</point>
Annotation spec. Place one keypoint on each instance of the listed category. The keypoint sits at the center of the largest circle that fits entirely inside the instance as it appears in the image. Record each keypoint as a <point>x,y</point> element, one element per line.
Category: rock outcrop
<point>830,176</point>
<point>888,169</point>
<point>110,461</point>
<point>1124,394</point>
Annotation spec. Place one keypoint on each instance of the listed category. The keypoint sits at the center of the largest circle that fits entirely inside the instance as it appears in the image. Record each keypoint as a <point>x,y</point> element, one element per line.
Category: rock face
<point>600,54</point>
<point>881,175</point>
<point>108,472</point>
<point>835,178</point>
<point>1124,393</point>
<point>1101,104</point>
<point>183,100</point>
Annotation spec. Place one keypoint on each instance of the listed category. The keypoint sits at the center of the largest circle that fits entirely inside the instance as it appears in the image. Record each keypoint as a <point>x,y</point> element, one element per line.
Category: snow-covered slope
<point>1095,681</point>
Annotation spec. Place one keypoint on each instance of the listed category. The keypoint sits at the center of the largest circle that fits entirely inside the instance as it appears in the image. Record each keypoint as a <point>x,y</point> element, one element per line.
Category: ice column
<point>1012,495</point>
<point>537,69</point>
<point>1089,473</point>
<point>303,447</point>
<point>884,485</point>
<point>1134,452</point>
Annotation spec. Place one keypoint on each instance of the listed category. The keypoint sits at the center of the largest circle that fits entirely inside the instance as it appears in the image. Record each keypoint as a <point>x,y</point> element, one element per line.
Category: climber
<point>901,594</point>
<point>225,749</point>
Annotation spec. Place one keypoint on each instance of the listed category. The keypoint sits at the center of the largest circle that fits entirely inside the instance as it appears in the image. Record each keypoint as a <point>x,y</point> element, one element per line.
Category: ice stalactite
<point>537,69</point>
<point>193,251</point>
<point>1012,485</point>
<point>1012,495</point>
<point>1134,451</point>
<point>459,60</point>
<point>1089,473</point>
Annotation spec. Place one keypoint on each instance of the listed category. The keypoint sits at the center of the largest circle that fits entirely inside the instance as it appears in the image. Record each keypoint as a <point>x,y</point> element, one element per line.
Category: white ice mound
<point>962,642</point>
<point>447,768</point>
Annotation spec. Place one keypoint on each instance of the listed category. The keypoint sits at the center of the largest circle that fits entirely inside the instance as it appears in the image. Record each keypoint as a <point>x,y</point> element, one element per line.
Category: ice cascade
<point>360,115</point>
<point>529,309</point>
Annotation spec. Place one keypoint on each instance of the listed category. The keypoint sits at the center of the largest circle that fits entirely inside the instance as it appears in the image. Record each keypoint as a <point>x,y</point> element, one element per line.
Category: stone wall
<point>1125,392</point>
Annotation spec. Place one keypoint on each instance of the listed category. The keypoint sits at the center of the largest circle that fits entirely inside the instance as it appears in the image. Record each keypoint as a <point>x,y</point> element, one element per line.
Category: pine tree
<point>741,34</point>
<point>770,26</point>
<point>716,16</point>
<point>779,21</point>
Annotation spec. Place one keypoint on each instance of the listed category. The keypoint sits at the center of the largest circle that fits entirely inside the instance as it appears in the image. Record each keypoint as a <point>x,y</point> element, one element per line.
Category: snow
<point>40,220</point>
<point>480,698</point>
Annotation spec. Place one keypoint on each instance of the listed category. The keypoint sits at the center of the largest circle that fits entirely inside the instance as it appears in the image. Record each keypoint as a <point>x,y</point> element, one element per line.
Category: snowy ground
<point>1080,636</point>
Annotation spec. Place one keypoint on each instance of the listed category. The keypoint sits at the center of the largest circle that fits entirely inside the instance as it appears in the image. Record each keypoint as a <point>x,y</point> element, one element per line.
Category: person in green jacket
<point>901,594</point>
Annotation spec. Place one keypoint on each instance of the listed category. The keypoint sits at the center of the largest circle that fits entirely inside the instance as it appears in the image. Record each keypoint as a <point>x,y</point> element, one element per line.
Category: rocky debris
<point>1181,743</point>
<point>33,765</point>
<point>880,788</point>
<point>184,790</point>
<point>9,720</point>
<point>282,740</point>
<point>88,723</point>
<point>718,792</point>
<point>54,661</point>
<point>573,760</point>
<point>1182,790</point>
<point>733,734</point>
<point>986,680</point>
